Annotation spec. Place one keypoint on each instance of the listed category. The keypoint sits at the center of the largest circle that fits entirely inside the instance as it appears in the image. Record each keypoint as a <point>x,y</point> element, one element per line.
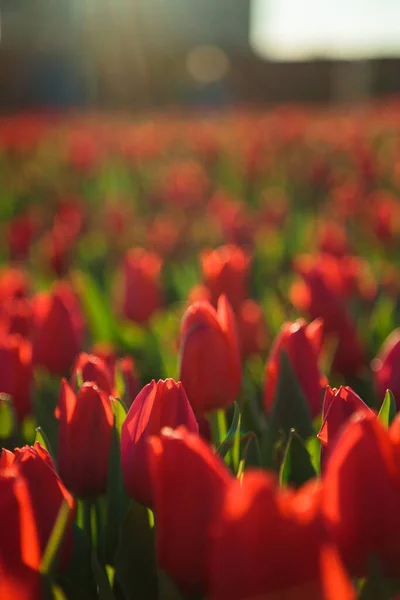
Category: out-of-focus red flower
<point>332,239</point>
<point>185,184</point>
<point>141,285</point>
<point>158,405</point>
<point>339,405</point>
<point>361,489</point>
<point>163,234</point>
<point>199,293</point>
<point>386,367</point>
<point>16,373</point>
<point>57,329</point>
<point>14,283</point>
<point>384,215</point>
<point>321,294</point>
<point>106,352</point>
<point>185,472</point>
<point>226,271</point>
<point>302,343</point>
<point>252,328</point>
<point>20,553</point>
<point>16,316</point>
<point>127,371</point>
<point>260,531</point>
<point>55,248</point>
<point>20,234</point>
<point>84,438</point>
<point>210,366</point>
<point>46,492</point>
<point>88,367</point>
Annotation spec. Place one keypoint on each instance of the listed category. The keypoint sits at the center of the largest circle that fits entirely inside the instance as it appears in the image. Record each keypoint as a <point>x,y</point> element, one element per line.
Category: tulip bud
<point>386,367</point>
<point>338,407</point>
<point>16,373</point>
<point>252,329</point>
<point>210,367</point>
<point>141,286</point>
<point>92,368</point>
<point>302,344</point>
<point>46,493</point>
<point>226,271</point>
<point>185,473</point>
<point>158,405</point>
<point>84,439</point>
<point>57,329</point>
<point>361,495</point>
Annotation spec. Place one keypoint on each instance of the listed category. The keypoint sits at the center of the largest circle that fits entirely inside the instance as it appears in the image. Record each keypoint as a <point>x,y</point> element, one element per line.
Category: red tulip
<point>210,367</point>
<point>322,294</point>
<point>386,367</point>
<point>226,271</point>
<point>142,293</point>
<point>189,483</point>
<point>46,492</point>
<point>252,328</point>
<point>302,344</point>
<point>57,329</point>
<point>16,316</point>
<point>338,407</point>
<point>158,405</point>
<point>20,553</point>
<point>14,283</point>
<point>85,427</point>
<point>92,368</point>
<point>361,490</point>
<point>271,544</point>
<point>16,373</point>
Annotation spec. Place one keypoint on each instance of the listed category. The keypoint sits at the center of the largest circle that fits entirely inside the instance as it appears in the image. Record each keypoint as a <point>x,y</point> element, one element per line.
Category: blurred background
<point>157,53</point>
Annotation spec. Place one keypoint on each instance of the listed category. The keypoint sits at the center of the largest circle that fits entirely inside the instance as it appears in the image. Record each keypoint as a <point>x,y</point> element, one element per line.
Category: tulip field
<point>200,355</point>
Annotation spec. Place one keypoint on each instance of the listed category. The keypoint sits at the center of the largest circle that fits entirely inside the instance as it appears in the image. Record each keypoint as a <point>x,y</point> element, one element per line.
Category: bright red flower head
<point>14,283</point>
<point>339,405</point>
<point>270,543</point>
<point>84,438</point>
<point>57,329</point>
<point>46,492</point>
<point>158,405</point>
<point>185,473</point>
<point>302,343</point>
<point>141,285</point>
<point>252,328</point>
<point>361,489</point>
<point>210,367</point>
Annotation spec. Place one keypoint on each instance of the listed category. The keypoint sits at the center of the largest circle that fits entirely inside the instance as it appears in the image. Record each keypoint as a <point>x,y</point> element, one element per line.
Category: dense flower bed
<point>199,355</point>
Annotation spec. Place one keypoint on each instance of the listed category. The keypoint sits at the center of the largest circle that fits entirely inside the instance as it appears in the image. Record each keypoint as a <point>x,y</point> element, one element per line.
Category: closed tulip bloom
<point>16,316</point>
<point>46,492</point>
<point>92,368</point>
<point>361,488</point>
<point>386,367</point>
<point>270,543</point>
<point>226,271</point>
<point>16,373</point>
<point>57,329</point>
<point>339,405</point>
<point>252,328</point>
<point>20,553</point>
<point>84,439</point>
<point>141,285</point>
<point>14,283</point>
<point>189,483</point>
<point>302,344</point>
<point>210,365</point>
<point>158,405</point>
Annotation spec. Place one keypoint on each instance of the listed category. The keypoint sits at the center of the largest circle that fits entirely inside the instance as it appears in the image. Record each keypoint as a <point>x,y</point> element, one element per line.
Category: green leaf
<point>7,417</point>
<point>290,409</point>
<point>95,307</point>
<point>103,585</point>
<point>116,495</point>
<point>313,446</point>
<point>228,442</point>
<point>50,555</point>
<point>388,409</point>
<point>77,579</point>
<point>44,442</point>
<point>135,559</point>
<point>296,466</point>
<point>251,455</point>
<point>375,585</point>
